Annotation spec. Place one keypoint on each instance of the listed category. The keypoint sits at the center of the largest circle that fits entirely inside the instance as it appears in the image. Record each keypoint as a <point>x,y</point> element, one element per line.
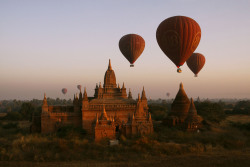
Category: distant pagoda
<point>183,113</point>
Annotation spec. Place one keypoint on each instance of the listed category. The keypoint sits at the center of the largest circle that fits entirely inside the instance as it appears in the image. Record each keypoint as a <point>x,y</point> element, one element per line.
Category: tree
<point>210,111</point>
<point>26,110</point>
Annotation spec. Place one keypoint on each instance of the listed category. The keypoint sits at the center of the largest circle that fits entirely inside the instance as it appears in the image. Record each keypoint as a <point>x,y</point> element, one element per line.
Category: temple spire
<point>192,110</point>
<point>129,94</point>
<point>143,94</point>
<point>181,85</point>
<point>109,78</point>
<point>123,86</point>
<point>85,96</point>
<point>109,67</point>
<point>139,99</point>
<point>45,99</point>
<point>104,114</point>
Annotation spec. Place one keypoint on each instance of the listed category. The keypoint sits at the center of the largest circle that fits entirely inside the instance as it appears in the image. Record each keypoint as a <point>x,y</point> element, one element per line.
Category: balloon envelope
<point>64,91</point>
<point>196,62</point>
<point>79,87</point>
<point>178,37</point>
<point>131,46</point>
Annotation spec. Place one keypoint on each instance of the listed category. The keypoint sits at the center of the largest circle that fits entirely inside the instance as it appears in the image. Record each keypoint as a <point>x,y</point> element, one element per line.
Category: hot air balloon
<point>131,46</point>
<point>79,87</point>
<point>196,62</point>
<point>168,94</point>
<point>178,37</point>
<point>64,91</point>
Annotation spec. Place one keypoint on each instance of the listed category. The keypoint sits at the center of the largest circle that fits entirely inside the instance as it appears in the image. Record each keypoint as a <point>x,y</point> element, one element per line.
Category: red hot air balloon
<point>64,91</point>
<point>131,46</point>
<point>178,37</point>
<point>79,87</point>
<point>196,62</point>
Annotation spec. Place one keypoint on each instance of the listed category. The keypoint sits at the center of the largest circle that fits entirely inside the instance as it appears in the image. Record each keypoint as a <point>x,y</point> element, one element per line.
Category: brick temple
<point>108,114</point>
<point>183,113</point>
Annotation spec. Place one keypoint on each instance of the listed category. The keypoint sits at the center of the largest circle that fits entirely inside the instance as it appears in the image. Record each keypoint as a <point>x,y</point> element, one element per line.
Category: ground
<point>230,159</point>
<point>223,144</point>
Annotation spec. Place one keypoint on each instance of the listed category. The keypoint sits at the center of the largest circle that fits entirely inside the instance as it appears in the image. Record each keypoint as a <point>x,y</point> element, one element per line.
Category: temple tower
<point>193,120</point>
<point>109,78</point>
<point>45,107</point>
<point>180,104</point>
<point>104,127</point>
<point>144,99</point>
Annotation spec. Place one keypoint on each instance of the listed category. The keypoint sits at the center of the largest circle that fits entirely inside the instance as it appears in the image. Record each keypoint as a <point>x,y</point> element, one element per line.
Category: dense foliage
<point>159,110</point>
<point>210,111</point>
<point>241,107</point>
<point>23,110</point>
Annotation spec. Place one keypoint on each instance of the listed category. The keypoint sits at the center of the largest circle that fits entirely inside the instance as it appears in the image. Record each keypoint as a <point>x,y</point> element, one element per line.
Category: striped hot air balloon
<point>131,46</point>
<point>196,62</point>
<point>178,37</point>
<point>64,91</point>
<point>79,87</point>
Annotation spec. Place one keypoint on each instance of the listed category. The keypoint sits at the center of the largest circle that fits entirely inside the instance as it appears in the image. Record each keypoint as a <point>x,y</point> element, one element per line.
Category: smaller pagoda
<point>183,113</point>
<point>104,127</point>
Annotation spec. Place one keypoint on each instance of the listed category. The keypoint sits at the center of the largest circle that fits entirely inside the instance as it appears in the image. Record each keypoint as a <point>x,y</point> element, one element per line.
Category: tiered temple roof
<point>180,104</point>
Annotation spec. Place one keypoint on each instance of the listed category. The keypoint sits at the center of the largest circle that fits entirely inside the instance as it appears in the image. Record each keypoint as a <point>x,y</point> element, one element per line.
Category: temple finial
<point>181,85</point>
<point>45,100</point>
<point>109,67</point>
<point>143,94</point>
<point>85,96</point>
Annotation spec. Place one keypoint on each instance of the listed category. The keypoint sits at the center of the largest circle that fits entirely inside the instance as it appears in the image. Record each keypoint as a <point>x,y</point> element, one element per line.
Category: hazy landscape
<point>62,103</point>
<point>224,139</point>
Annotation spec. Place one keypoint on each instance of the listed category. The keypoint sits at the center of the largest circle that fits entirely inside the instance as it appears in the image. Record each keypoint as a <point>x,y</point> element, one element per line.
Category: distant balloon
<point>79,87</point>
<point>131,46</point>
<point>64,91</point>
<point>168,94</point>
<point>196,63</point>
<point>178,37</point>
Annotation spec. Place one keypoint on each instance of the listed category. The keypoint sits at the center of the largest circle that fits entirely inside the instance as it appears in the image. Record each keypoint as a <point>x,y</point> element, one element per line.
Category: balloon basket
<point>131,65</point>
<point>179,70</point>
<point>195,75</point>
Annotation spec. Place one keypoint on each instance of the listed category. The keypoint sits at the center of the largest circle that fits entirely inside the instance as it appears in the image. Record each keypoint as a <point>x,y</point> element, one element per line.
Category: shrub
<point>13,116</point>
<point>70,132</point>
<point>10,125</point>
<point>158,111</point>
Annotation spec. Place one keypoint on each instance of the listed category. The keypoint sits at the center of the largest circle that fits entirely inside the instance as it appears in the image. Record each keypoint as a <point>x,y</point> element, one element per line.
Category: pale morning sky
<point>50,44</point>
